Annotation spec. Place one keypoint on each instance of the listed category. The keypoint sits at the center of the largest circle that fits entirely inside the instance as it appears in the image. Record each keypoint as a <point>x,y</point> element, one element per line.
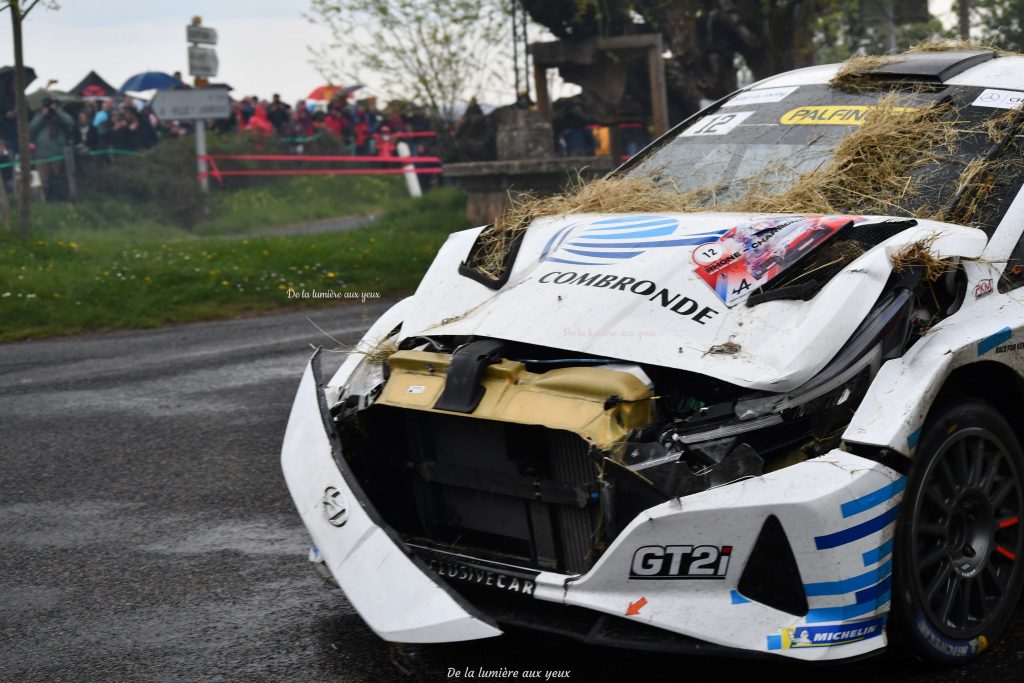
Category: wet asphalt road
<point>146,533</point>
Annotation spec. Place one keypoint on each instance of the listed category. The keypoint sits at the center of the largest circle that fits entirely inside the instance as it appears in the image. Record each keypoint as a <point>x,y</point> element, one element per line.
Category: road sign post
<point>194,105</point>
<point>204,180</point>
<point>191,105</point>
<point>202,64</point>
<point>202,61</point>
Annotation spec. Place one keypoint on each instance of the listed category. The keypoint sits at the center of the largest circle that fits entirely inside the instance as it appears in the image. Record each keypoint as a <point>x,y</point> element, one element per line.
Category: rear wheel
<point>959,540</point>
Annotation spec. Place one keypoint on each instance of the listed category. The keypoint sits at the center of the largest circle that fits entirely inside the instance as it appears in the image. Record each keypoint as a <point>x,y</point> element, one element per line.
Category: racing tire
<point>957,555</point>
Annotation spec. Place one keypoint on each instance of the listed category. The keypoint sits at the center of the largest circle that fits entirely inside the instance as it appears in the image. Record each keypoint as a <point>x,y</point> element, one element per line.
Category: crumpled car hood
<point>669,290</point>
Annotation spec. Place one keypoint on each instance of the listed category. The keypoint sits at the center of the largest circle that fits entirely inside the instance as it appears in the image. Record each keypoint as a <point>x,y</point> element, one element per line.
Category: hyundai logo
<point>335,506</point>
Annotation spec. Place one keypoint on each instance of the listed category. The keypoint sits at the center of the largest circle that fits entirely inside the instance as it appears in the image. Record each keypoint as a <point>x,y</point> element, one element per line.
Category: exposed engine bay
<point>537,457</point>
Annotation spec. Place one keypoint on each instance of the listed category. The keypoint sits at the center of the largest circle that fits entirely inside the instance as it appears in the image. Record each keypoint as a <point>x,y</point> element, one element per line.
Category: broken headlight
<point>722,443</point>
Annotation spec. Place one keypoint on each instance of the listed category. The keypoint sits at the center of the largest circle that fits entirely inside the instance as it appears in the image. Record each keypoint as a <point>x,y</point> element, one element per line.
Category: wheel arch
<point>995,383</point>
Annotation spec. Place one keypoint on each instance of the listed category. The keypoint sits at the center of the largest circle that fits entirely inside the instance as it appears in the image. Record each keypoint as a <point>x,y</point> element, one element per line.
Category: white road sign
<point>202,61</point>
<point>201,34</point>
<point>183,105</point>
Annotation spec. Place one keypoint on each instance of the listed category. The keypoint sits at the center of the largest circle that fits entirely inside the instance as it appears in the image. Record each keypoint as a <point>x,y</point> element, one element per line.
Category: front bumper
<point>667,570</point>
<point>391,589</point>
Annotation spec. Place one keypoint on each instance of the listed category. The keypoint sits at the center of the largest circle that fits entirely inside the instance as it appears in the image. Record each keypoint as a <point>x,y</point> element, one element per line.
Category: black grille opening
<point>521,494</point>
<point>771,576</point>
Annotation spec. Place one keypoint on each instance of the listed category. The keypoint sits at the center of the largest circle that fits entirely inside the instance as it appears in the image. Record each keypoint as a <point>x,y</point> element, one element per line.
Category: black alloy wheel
<point>960,536</point>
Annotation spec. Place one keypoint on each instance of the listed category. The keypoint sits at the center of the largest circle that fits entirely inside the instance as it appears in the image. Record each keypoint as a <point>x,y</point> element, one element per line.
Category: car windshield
<point>765,140</point>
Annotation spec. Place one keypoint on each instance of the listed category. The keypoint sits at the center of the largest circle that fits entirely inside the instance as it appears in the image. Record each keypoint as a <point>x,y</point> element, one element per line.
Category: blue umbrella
<point>151,80</point>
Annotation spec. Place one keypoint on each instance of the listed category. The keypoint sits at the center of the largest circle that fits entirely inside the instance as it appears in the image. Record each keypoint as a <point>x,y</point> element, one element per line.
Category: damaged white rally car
<point>691,432</point>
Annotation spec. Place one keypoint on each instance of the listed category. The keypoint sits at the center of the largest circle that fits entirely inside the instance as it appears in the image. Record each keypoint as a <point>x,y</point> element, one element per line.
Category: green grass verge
<point>299,199</point>
<point>83,270</point>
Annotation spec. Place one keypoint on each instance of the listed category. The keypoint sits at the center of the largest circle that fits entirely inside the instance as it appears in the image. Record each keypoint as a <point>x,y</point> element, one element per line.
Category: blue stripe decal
<point>874,498</point>
<point>606,254</point>
<point>857,532</point>
<point>775,642</point>
<point>628,219</point>
<point>989,343</point>
<point>878,554</point>
<point>816,616</point>
<point>633,226</point>
<point>555,259</point>
<point>687,241</point>
<point>874,592</point>
<point>737,599</point>
<point>914,437</point>
<point>849,585</point>
<point>551,246</point>
<point>650,232</point>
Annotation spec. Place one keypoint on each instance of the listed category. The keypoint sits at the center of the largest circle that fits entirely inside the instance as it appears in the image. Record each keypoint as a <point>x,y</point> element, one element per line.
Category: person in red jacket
<point>258,122</point>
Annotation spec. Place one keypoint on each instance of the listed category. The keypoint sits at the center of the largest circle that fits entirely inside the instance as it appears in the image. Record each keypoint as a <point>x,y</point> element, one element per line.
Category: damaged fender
<point>985,329</point>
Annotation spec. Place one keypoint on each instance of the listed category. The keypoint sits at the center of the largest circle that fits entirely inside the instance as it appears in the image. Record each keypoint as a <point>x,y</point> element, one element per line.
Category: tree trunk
<point>963,10</point>
<point>24,151</point>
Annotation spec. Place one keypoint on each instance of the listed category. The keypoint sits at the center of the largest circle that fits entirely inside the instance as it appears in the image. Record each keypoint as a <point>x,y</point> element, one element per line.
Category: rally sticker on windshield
<point>717,124</point>
<point>752,254</point>
<point>831,115</point>
<point>999,99</point>
<point>762,96</point>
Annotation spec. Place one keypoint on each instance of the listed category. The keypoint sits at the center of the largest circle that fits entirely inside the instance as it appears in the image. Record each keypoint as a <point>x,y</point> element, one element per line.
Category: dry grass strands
<point>855,74</point>
<point>919,255</point>
<point>878,169</point>
<point>378,351</point>
<point>606,195</point>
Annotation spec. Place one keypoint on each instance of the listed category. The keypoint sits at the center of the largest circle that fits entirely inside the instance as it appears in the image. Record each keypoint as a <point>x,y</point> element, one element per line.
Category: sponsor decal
<point>762,96</point>
<point>680,562</point>
<point>612,240</point>
<point>1007,348</point>
<point>675,302</point>
<point>831,115</point>
<point>983,288</point>
<point>717,124</point>
<point>999,99</point>
<point>508,581</point>
<point>827,635</point>
<point>752,254</point>
<point>994,340</point>
<point>947,647</point>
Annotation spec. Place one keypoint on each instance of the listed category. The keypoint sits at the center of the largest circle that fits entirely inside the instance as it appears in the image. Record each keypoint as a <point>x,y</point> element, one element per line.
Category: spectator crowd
<point>123,124</point>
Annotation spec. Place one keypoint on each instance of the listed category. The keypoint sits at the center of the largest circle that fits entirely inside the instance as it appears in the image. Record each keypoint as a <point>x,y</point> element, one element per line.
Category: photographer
<point>52,130</point>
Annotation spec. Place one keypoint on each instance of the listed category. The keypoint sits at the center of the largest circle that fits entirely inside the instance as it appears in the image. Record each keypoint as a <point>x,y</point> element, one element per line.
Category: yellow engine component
<point>602,405</point>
